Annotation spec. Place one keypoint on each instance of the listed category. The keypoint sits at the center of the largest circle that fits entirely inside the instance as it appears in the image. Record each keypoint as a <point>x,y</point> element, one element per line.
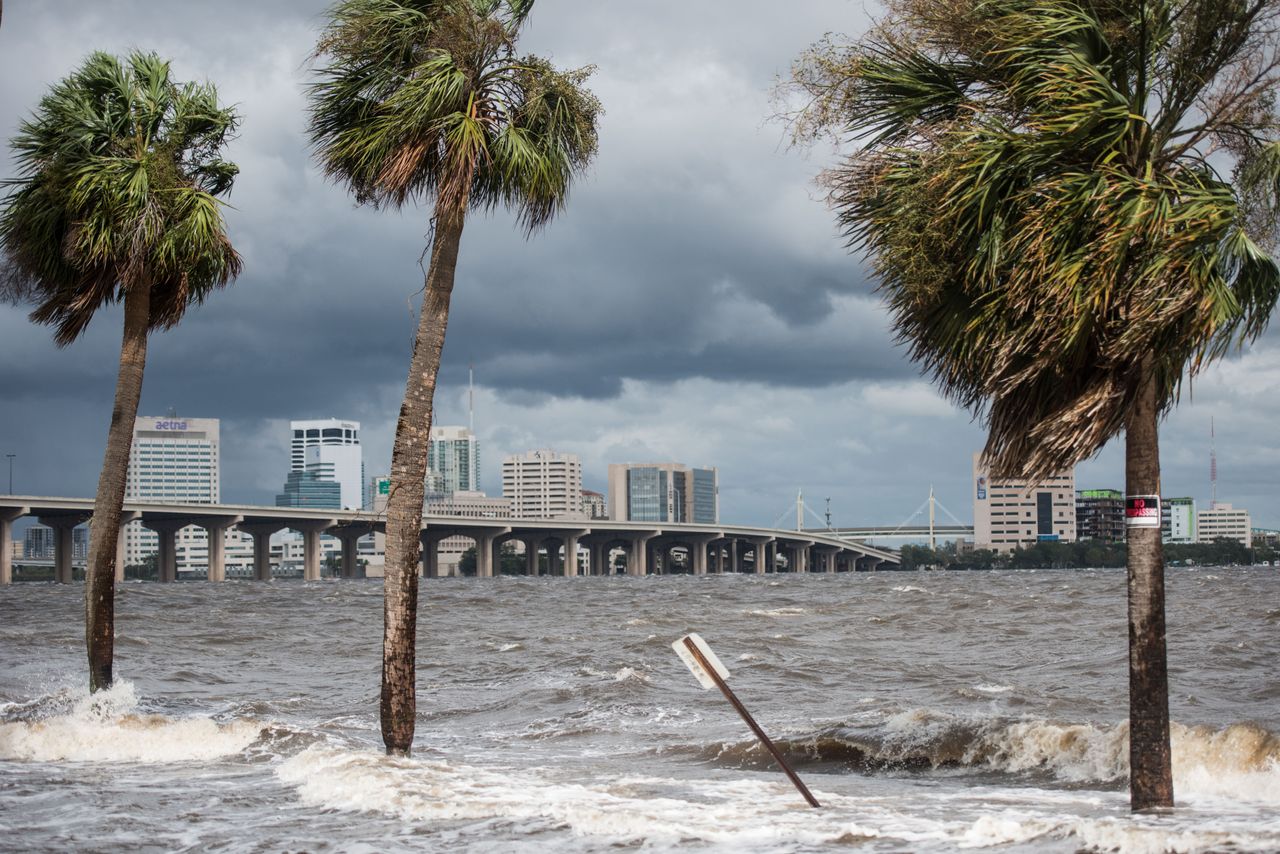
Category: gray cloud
<point>693,302</point>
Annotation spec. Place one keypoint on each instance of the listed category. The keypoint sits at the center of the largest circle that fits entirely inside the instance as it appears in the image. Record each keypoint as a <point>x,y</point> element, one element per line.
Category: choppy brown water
<point>928,711</point>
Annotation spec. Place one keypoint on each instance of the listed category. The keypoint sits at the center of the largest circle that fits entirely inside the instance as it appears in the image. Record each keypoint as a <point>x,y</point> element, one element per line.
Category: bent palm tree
<point>116,200</point>
<point>1070,207</point>
<point>428,99</point>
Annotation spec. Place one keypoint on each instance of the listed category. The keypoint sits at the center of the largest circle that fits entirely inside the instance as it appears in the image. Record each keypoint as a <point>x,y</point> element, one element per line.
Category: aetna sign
<point>170,425</point>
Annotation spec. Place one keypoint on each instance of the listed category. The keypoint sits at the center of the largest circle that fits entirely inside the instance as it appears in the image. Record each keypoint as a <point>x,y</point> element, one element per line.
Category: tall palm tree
<point>1070,206</point>
<point>428,99</point>
<point>117,200</point>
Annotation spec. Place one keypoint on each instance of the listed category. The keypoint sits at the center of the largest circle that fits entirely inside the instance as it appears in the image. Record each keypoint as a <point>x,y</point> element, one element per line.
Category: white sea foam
<point>777,612</point>
<point>106,727</point>
<point>739,814</point>
<point>909,588</point>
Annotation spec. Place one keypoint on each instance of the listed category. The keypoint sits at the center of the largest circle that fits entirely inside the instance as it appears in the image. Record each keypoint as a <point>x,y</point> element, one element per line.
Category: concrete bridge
<point>711,548</point>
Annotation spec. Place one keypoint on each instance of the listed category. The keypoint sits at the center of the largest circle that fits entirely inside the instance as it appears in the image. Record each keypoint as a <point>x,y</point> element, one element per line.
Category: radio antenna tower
<point>1213,467</point>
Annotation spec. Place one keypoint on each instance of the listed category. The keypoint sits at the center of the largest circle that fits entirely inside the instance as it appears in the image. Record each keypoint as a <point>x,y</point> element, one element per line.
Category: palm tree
<point>428,99</point>
<point>116,200</point>
<point>1070,207</point>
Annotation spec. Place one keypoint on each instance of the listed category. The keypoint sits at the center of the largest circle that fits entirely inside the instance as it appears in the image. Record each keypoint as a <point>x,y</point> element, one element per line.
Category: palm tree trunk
<point>104,533</point>
<point>408,476</point>
<point>1151,776</point>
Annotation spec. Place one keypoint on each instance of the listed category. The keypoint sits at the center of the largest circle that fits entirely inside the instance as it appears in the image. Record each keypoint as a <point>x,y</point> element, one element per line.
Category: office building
<point>172,460</point>
<point>543,484</point>
<point>1222,521</point>
<point>1015,513</point>
<point>309,488</point>
<point>1100,515</point>
<point>332,448</point>
<point>1178,520</point>
<point>663,492</point>
<point>594,505</point>
<point>38,543</point>
<point>453,461</point>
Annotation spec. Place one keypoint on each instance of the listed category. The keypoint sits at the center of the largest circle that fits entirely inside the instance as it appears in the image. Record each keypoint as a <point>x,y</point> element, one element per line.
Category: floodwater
<point>926,711</point>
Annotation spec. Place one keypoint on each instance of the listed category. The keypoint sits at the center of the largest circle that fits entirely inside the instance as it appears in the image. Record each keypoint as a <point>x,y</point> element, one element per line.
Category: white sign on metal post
<point>704,678</point>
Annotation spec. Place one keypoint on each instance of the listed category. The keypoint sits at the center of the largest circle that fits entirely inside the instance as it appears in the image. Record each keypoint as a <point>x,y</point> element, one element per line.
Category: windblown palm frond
<point>118,181</point>
<point>428,97</point>
<point>1040,192</point>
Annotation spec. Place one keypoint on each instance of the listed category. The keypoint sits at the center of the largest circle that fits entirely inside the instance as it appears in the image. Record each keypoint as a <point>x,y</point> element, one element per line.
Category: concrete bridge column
<point>350,539</point>
<point>698,554</point>
<point>638,555</point>
<point>311,531</point>
<point>216,529</point>
<point>126,517</point>
<point>761,546</point>
<point>487,546</point>
<point>554,565</point>
<point>63,544</point>
<point>167,558</point>
<point>7,517</point>
<point>530,556</point>
<point>734,566</point>
<point>430,556</point>
<point>571,554</point>
<point>599,554</point>
<point>261,533</point>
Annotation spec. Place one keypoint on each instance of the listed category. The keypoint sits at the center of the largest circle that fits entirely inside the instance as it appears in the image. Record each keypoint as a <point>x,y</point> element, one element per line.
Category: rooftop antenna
<point>800,510</point>
<point>1213,467</point>
<point>471,398</point>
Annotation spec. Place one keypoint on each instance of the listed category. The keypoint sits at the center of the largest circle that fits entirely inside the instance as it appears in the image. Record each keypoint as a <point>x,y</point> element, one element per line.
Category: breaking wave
<point>1239,762</point>
<point>108,727</point>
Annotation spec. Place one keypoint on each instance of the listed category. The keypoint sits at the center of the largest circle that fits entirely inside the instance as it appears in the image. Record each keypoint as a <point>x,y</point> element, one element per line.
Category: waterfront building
<point>333,447</point>
<point>1016,513</point>
<point>1224,521</point>
<point>172,460</point>
<point>38,543</point>
<point>453,460</point>
<point>1178,520</point>
<point>311,487</point>
<point>1100,515</point>
<point>663,492</point>
<point>594,505</point>
<point>543,484</point>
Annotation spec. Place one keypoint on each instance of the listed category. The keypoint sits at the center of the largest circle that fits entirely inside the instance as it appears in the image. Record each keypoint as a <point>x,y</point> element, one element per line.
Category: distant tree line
<point>1084,554</point>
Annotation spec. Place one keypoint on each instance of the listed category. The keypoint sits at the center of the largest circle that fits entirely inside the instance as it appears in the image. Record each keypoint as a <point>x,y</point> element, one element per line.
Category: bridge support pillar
<point>763,563</point>
<point>487,551</point>
<point>261,533</point>
<point>599,554</point>
<point>311,531</point>
<point>554,565</point>
<point>126,517</point>
<point>571,553</point>
<point>530,556</point>
<point>7,517</point>
<point>63,544</point>
<point>430,557</point>
<point>167,551</point>
<point>638,554</point>
<point>216,529</point>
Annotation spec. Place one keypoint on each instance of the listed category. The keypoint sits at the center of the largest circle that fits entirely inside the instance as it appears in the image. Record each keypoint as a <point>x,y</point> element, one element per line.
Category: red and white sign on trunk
<point>1142,511</point>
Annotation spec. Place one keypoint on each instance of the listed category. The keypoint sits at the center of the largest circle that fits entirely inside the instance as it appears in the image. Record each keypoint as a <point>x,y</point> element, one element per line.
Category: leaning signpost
<point>711,673</point>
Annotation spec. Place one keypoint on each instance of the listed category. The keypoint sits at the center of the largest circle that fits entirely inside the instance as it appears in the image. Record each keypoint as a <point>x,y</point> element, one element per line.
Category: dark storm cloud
<point>693,301</point>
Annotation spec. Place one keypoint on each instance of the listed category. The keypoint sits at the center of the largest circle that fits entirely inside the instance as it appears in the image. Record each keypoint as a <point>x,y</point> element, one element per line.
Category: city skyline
<point>719,321</point>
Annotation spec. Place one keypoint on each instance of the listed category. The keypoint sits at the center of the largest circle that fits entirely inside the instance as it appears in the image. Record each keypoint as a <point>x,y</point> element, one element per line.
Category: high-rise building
<point>453,460</point>
<point>310,489</point>
<point>1178,520</point>
<point>333,448</point>
<point>543,484</point>
<point>1224,521</point>
<point>1100,515</point>
<point>39,543</point>
<point>594,505</point>
<point>1010,514</point>
<point>663,492</point>
<point>172,461</point>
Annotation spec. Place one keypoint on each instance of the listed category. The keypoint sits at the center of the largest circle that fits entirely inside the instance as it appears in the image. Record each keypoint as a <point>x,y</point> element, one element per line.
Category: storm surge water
<point>976,710</point>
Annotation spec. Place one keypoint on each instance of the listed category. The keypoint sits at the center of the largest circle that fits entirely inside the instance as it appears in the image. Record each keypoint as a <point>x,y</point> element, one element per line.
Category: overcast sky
<point>694,303</point>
